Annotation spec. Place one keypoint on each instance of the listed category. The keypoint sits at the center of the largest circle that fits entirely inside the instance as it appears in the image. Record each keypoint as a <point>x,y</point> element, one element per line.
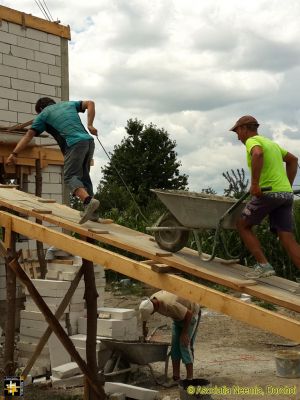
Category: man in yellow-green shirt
<point>275,167</point>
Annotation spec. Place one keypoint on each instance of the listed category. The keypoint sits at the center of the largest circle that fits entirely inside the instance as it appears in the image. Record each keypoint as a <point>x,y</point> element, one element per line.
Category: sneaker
<point>89,210</point>
<point>95,216</point>
<point>261,271</point>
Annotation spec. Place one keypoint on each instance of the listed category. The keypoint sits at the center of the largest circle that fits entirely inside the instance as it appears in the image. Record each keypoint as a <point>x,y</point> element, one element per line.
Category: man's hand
<point>255,190</point>
<point>184,339</point>
<point>93,130</point>
<point>12,159</point>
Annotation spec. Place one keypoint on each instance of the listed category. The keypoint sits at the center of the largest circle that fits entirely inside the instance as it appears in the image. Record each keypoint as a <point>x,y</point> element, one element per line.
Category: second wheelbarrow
<point>194,212</point>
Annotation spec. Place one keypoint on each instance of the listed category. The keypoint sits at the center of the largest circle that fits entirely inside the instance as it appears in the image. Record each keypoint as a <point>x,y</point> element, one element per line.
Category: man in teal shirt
<point>62,121</point>
<point>266,161</point>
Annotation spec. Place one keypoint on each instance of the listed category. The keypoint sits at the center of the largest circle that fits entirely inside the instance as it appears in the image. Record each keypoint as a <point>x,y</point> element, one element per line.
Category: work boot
<point>261,271</point>
<point>89,210</point>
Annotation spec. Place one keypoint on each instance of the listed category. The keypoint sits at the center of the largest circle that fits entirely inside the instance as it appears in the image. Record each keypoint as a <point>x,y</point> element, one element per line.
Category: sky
<point>192,67</point>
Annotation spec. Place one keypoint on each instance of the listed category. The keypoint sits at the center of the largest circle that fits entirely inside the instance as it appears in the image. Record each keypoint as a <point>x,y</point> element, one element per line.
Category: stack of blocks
<point>61,271</point>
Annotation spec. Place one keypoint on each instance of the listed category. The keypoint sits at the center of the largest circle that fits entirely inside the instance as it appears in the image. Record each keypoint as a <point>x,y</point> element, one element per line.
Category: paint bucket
<point>287,363</point>
<point>191,389</point>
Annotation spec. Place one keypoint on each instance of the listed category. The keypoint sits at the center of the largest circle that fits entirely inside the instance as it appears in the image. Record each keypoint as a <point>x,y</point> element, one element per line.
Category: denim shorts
<point>278,206</point>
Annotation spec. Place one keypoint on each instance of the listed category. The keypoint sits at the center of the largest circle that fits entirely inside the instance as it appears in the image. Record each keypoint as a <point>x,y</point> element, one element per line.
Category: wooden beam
<point>248,313</point>
<point>29,21</point>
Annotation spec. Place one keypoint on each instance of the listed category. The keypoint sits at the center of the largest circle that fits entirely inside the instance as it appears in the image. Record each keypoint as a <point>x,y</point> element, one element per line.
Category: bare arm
<point>257,162</point>
<point>291,165</point>
<point>89,105</point>
<point>21,145</point>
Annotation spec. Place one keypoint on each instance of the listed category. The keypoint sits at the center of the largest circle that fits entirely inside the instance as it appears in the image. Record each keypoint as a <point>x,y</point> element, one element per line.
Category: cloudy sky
<point>192,67</point>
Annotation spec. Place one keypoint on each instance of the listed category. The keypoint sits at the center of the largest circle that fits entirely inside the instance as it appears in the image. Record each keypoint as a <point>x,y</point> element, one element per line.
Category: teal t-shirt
<point>62,121</point>
<point>273,171</point>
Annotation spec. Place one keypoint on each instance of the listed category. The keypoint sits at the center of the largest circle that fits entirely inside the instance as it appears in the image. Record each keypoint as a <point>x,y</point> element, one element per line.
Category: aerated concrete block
<point>65,370</point>
<point>131,391</point>
<point>118,313</point>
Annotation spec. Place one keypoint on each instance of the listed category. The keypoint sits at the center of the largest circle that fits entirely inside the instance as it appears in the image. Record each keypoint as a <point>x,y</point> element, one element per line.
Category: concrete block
<point>20,84</point>
<point>32,76</point>
<point>58,354</point>
<point>76,307</point>
<point>9,116</point>
<point>50,48</point>
<point>9,38</point>
<point>8,71</point>
<point>28,43</point>
<point>65,370</point>
<point>17,51</point>
<point>131,391</point>
<point>58,61</point>
<point>16,29</point>
<point>51,80</point>
<point>30,348</point>
<point>46,90</point>
<point>53,70</point>
<point>44,57</point>
<point>118,313</point>
<point>5,82</point>
<point>73,381</point>
<point>54,178</point>
<point>37,66</point>
<point>14,61</point>
<point>34,315</point>
<point>8,94</point>
<point>36,34</point>
<point>28,97</point>
<point>54,39</point>
<point>19,106</point>
<point>4,26</point>
<point>113,328</point>
<point>3,103</point>
<point>4,48</point>
<point>52,275</point>
<point>22,117</point>
<point>42,284</point>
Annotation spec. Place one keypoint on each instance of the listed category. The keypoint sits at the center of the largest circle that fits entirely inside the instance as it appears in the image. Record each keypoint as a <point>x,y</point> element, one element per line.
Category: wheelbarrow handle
<point>240,200</point>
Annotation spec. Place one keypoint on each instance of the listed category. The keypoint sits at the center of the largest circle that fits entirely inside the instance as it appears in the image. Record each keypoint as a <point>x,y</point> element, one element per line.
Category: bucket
<point>288,363</point>
<point>189,389</point>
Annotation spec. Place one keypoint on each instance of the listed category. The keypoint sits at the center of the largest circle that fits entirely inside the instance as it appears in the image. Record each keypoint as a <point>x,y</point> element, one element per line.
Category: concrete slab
<point>131,391</point>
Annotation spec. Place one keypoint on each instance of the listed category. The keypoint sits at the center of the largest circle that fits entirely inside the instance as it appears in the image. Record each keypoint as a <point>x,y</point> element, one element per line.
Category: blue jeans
<point>77,166</point>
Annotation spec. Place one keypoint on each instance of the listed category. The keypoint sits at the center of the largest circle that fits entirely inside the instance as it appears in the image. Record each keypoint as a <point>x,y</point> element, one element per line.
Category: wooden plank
<point>61,261</point>
<point>46,200</point>
<point>41,211</point>
<point>8,235</point>
<point>249,313</point>
<point>20,126</point>
<point>162,268</point>
<point>100,231</point>
<point>186,260</point>
<point>9,186</point>
<point>28,20</point>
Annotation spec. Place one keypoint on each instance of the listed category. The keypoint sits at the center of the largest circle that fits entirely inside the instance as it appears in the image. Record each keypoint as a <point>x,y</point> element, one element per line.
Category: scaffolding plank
<point>229,305</point>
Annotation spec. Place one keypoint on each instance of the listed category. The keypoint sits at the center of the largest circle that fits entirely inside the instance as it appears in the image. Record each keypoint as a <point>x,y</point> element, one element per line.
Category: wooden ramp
<point>275,290</point>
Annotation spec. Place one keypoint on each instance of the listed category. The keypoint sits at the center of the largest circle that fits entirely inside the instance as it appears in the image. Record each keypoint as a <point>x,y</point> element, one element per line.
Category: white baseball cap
<point>146,308</point>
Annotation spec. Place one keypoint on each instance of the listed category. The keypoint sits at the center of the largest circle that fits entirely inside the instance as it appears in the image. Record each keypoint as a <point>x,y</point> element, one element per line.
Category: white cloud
<point>192,67</point>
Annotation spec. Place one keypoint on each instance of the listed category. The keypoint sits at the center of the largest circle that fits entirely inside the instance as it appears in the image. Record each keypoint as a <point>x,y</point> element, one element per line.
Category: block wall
<point>33,64</point>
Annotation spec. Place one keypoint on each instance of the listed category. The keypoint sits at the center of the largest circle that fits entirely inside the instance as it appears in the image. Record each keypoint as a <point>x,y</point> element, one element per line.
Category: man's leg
<point>187,353</point>
<point>291,246</point>
<point>175,350</point>
<point>251,241</point>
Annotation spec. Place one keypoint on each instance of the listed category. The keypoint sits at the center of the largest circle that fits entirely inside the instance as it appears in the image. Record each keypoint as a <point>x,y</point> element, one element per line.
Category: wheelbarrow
<point>194,212</point>
<point>127,355</point>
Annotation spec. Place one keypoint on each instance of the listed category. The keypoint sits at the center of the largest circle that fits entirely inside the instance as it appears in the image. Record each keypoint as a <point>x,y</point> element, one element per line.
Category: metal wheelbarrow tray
<point>190,211</point>
<point>141,353</point>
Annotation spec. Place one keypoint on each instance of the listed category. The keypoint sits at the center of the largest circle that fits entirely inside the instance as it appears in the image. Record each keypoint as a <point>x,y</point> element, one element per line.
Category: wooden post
<point>9,364</point>
<point>90,296</point>
<point>55,326</point>
<point>38,192</point>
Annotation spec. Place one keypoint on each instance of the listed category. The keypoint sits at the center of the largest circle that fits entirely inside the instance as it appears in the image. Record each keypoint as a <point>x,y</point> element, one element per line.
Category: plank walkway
<point>53,215</point>
<point>274,289</point>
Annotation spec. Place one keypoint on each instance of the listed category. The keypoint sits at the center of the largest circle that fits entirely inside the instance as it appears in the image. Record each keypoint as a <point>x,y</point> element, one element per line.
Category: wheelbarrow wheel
<point>170,240</point>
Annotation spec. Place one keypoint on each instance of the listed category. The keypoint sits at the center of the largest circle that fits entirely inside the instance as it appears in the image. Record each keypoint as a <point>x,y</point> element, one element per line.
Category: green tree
<point>145,159</point>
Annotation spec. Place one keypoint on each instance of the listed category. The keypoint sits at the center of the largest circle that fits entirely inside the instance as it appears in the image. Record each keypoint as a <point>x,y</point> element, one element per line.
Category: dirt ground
<point>237,359</point>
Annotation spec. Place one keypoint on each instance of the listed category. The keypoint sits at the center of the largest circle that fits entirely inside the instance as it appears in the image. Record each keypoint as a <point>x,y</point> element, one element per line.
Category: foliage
<point>145,159</point>
<point>237,183</point>
<point>208,190</point>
